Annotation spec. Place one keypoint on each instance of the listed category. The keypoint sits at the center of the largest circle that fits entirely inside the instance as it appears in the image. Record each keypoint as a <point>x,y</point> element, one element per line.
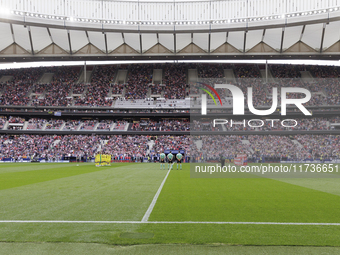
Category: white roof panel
<point>236,39</point>
<point>217,39</point>
<point>291,36</point>
<point>40,38</point>
<point>114,40</point>
<point>21,37</point>
<point>97,39</point>
<point>132,40</point>
<point>312,35</point>
<point>201,40</point>
<point>182,40</point>
<point>272,37</point>
<point>59,37</point>
<point>167,40</point>
<point>148,40</point>
<point>6,35</point>
<point>253,38</point>
<point>78,40</point>
<point>332,34</point>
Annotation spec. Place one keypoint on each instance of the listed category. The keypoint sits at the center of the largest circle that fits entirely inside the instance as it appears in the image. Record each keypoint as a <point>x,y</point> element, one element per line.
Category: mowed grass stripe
<point>241,200</point>
<point>121,193</point>
<point>22,167</point>
<point>17,179</point>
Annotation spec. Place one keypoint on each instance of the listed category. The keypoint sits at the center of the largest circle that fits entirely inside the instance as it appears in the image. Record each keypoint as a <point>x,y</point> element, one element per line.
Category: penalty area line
<point>175,222</point>
<point>154,200</point>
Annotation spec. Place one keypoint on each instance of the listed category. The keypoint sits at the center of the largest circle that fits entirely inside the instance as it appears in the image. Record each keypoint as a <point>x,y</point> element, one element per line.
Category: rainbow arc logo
<point>209,93</point>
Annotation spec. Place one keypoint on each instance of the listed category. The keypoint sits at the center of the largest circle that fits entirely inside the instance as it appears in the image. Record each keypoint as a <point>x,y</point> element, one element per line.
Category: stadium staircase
<point>62,126</point>
<point>199,144</point>
<point>88,76</point>
<point>151,143</point>
<point>271,78</point>
<point>96,126</point>
<point>148,94</point>
<point>307,77</point>
<point>157,76</point>
<point>81,124</point>
<point>121,76</point>
<point>297,143</point>
<point>55,142</point>
<point>109,94</point>
<point>6,78</point>
<point>246,142</point>
<point>123,92</point>
<point>192,76</point>
<point>25,125</point>
<point>230,76</point>
<point>46,78</point>
<point>6,125</point>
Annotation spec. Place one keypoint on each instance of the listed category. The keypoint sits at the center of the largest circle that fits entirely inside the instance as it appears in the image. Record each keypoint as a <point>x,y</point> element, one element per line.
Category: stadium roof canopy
<point>39,30</point>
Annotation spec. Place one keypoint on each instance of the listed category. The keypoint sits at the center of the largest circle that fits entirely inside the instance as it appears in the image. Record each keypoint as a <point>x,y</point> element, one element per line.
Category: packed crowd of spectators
<point>54,124</point>
<point>139,79</point>
<point>126,146</point>
<point>175,81</point>
<point>20,90</point>
<point>97,93</point>
<point>298,147</point>
<point>320,146</point>
<point>163,143</point>
<point>15,123</point>
<point>216,145</point>
<point>104,125</point>
<point>36,123</point>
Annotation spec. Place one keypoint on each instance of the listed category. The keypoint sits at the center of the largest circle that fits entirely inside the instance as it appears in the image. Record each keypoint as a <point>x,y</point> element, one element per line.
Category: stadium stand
<point>133,98</point>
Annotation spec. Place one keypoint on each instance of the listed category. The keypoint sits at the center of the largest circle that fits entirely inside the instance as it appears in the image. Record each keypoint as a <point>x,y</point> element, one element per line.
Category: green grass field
<point>83,207</point>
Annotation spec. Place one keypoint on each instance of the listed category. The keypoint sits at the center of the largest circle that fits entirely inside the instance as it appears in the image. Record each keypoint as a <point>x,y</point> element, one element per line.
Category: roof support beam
<point>209,42</point>
<point>282,37</point>
<point>140,43</point>
<point>175,43</point>
<point>87,36</point>
<point>69,41</point>
<point>303,30</point>
<point>264,33</point>
<point>105,39</point>
<point>322,36</point>
<point>30,37</point>
<point>49,34</point>
<point>244,41</point>
<point>123,37</point>
<point>13,37</point>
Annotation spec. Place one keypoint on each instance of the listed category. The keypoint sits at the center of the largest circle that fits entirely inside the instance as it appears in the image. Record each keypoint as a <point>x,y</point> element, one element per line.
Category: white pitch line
<point>154,200</point>
<point>174,222</point>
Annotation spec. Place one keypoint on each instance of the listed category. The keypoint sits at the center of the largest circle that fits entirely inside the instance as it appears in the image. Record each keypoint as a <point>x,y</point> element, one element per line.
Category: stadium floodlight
<point>71,19</point>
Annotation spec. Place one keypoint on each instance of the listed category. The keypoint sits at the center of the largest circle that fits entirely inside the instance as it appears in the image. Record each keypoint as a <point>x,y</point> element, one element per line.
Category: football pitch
<point>139,204</point>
